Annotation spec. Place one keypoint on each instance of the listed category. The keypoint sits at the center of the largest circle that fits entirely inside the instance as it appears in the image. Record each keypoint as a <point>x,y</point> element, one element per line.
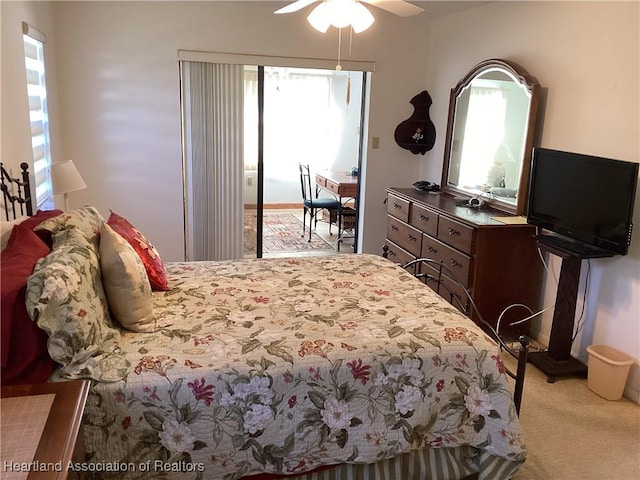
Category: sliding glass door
<point>245,128</point>
<point>310,116</point>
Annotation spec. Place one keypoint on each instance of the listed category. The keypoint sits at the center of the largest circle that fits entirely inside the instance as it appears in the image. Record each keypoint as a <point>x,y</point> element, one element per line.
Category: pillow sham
<point>39,217</point>
<point>24,346</point>
<point>66,297</point>
<point>144,248</point>
<point>125,282</point>
<point>86,219</point>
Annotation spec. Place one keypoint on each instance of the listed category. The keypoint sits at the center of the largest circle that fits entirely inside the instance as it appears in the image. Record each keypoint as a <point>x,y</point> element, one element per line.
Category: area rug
<point>282,233</point>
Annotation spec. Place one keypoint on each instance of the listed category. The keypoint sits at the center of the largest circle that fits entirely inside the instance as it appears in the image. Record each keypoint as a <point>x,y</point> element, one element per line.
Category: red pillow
<point>25,358</point>
<point>143,247</point>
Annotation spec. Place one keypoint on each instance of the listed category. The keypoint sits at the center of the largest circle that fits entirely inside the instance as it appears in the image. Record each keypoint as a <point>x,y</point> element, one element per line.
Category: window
<point>38,114</point>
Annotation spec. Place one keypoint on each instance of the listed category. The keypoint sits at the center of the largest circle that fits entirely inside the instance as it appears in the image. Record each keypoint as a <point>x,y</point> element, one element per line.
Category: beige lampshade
<point>65,177</point>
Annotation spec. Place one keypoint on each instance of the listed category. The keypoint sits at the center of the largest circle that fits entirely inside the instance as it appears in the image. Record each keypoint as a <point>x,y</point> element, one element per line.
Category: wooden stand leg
<point>557,361</point>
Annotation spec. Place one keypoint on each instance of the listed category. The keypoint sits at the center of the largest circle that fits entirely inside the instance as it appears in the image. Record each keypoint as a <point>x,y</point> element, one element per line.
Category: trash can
<point>607,371</point>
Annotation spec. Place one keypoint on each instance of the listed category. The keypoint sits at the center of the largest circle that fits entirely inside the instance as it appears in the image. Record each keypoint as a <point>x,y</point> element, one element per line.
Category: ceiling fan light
<point>361,18</point>
<point>340,12</point>
<point>319,18</point>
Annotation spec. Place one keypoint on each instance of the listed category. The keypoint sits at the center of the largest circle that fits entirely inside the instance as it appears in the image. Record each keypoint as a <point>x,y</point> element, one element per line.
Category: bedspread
<point>283,365</point>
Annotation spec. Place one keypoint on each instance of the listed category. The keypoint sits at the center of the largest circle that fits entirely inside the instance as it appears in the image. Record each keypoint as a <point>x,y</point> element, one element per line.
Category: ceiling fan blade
<point>295,6</point>
<point>399,7</point>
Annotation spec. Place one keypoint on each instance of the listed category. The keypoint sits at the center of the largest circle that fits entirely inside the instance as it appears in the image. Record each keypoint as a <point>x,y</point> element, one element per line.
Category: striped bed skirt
<point>423,464</point>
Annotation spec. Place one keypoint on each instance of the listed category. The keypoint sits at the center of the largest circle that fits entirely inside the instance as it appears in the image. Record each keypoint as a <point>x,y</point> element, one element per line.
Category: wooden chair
<point>346,218</point>
<point>312,203</point>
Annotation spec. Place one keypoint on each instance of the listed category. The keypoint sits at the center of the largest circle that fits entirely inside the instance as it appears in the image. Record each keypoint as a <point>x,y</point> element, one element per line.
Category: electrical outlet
<point>249,181</point>
<point>375,142</point>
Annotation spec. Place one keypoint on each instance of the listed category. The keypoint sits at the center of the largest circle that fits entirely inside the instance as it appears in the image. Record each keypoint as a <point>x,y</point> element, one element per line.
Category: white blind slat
<point>41,176</point>
<point>37,126</point>
<point>39,149</point>
<point>40,165</point>
<point>30,50</point>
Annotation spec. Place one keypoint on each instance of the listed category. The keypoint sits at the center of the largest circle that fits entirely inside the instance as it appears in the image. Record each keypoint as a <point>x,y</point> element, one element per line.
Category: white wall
<point>586,57</point>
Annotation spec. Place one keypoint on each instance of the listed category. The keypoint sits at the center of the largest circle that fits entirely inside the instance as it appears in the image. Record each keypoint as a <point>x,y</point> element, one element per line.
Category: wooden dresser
<point>496,260</point>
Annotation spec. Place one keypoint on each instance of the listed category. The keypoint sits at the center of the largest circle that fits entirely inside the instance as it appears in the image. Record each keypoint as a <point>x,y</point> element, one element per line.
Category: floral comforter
<point>284,365</point>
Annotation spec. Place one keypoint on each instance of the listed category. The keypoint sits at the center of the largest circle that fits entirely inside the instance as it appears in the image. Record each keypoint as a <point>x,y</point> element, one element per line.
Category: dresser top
<point>450,205</point>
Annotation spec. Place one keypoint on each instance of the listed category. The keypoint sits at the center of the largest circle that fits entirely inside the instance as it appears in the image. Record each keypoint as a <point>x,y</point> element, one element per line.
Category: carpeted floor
<point>282,233</point>
<point>573,434</point>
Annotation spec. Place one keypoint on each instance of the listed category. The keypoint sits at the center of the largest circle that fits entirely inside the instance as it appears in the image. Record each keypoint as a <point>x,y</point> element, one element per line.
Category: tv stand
<point>557,360</point>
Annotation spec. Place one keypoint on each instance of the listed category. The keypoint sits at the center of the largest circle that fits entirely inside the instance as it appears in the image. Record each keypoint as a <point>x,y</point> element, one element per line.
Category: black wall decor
<point>417,133</point>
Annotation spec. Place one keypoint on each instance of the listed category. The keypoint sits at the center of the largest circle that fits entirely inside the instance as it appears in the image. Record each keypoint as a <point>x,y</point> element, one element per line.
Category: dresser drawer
<point>455,234</point>
<point>431,248</point>
<point>457,262</point>
<point>404,235</point>
<point>453,293</point>
<point>398,255</point>
<point>431,276</point>
<point>424,219</point>
<point>320,180</point>
<point>398,207</point>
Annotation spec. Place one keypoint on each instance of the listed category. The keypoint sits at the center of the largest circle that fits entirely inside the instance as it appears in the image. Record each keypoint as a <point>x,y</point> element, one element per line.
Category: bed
<point>322,367</point>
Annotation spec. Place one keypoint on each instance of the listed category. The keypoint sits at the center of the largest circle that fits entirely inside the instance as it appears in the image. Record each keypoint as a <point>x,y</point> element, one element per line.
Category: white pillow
<point>125,282</point>
<point>6,227</point>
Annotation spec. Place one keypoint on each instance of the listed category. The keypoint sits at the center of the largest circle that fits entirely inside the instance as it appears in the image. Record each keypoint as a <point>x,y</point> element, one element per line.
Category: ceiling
<point>434,8</point>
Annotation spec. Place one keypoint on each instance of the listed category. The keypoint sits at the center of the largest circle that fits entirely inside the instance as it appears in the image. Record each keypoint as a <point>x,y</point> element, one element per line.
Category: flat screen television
<point>585,198</point>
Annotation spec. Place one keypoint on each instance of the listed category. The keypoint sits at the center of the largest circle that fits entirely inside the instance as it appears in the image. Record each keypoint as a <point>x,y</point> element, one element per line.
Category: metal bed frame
<point>16,193</point>
<point>467,306</point>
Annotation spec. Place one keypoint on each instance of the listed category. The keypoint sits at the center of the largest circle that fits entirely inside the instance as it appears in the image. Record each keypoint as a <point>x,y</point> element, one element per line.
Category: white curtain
<point>212,114</point>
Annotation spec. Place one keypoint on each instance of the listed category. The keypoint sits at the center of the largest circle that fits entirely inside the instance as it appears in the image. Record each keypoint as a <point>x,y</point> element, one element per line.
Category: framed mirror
<point>490,132</point>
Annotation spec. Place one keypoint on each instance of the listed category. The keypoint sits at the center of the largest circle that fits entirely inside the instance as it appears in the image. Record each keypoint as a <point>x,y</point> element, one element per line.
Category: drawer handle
<point>424,218</point>
<point>396,206</point>
<point>394,228</point>
<point>412,238</point>
<point>432,250</point>
<point>455,263</point>
<point>454,232</point>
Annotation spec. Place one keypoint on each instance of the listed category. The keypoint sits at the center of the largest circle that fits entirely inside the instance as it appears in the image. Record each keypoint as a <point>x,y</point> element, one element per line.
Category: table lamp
<point>65,179</point>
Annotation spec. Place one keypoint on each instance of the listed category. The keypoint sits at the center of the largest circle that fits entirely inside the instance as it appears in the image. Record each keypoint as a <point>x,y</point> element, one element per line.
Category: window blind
<point>212,115</point>
<point>38,113</point>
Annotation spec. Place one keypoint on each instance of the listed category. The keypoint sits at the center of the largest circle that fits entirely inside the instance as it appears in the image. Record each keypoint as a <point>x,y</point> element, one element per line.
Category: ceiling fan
<point>399,7</point>
<point>341,13</point>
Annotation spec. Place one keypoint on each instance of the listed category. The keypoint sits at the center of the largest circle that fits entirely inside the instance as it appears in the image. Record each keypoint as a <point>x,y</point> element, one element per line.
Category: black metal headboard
<point>16,193</point>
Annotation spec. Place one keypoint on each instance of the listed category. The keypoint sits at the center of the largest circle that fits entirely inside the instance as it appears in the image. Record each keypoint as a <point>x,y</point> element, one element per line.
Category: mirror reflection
<point>489,138</point>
